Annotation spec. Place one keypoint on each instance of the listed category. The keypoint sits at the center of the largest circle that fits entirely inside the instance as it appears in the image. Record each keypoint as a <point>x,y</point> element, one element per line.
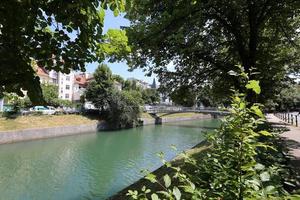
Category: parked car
<point>45,110</point>
<point>68,110</point>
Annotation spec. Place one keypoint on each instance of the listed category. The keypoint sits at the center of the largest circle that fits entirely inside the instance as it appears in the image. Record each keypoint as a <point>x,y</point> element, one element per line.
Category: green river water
<point>91,166</point>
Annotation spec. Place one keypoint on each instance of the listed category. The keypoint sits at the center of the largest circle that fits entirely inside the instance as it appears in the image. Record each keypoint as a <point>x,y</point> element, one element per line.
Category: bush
<point>123,110</point>
<point>235,167</point>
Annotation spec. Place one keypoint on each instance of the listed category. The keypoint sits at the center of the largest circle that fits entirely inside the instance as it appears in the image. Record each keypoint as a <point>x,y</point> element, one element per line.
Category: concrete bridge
<point>154,110</point>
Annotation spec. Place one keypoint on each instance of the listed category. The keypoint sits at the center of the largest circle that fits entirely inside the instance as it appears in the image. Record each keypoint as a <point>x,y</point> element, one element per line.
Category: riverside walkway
<point>292,136</point>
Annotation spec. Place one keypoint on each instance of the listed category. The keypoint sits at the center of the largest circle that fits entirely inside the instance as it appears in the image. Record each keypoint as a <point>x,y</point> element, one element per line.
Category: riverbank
<point>195,152</point>
<point>26,128</point>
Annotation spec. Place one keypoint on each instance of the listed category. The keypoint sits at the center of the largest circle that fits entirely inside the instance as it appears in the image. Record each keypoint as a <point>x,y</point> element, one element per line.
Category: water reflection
<point>92,166</point>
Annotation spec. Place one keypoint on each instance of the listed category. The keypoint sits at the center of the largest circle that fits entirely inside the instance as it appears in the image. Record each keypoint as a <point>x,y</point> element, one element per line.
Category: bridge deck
<point>159,109</point>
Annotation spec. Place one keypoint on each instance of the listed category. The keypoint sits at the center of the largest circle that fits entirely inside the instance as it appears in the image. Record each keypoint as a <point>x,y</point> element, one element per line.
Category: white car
<point>45,110</point>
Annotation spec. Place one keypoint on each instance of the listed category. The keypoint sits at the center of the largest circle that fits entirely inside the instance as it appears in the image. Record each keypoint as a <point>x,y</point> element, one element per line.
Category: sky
<point>120,68</point>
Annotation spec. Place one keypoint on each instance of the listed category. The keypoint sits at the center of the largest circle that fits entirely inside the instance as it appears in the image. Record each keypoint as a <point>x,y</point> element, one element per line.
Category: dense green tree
<point>119,79</point>
<point>184,96</point>
<point>99,89</point>
<point>204,40</point>
<point>136,94</point>
<point>59,35</point>
<point>123,110</point>
<point>287,100</point>
<point>150,96</point>
<point>50,94</point>
<point>119,108</point>
<point>131,85</point>
<point>114,44</point>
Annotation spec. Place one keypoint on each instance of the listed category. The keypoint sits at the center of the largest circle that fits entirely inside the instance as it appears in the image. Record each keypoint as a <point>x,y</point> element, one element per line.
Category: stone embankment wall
<point>150,121</point>
<point>43,133</point>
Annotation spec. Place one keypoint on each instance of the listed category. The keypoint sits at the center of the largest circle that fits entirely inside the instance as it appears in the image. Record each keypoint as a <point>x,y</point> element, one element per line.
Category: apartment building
<point>70,86</point>
<point>66,85</point>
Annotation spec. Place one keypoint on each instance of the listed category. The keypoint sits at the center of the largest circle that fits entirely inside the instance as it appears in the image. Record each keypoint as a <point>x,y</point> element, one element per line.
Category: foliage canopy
<point>204,40</point>
<point>59,35</point>
<point>120,109</point>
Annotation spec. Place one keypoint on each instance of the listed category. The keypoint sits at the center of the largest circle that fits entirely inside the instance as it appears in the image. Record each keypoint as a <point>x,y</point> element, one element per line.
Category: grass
<point>43,121</point>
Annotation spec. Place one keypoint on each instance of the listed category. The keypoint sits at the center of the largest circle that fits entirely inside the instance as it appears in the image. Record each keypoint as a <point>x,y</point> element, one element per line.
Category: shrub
<point>232,168</point>
<point>122,111</point>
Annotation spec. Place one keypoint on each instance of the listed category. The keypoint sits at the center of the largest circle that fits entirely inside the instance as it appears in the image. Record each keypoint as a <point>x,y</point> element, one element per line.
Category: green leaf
<point>270,188</point>
<point>257,111</point>
<point>167,180</point>
<point>259,166</point>
<point>151,178</point>
<point>177,193</point>
<point>147,191</point>
<point>265,133</point>
<point>116,12</point>
<point>242,105</point>
<point>265,176</point>
<point>254,85</point>
<point>154,197</point>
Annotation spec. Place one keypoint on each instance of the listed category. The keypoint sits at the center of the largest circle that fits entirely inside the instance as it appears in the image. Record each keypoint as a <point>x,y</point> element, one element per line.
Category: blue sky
<point>121,68</point>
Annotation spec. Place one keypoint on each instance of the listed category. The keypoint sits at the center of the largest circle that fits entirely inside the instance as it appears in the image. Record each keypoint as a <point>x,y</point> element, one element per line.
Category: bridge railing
<point>291,118</point>
<point>176,108</point>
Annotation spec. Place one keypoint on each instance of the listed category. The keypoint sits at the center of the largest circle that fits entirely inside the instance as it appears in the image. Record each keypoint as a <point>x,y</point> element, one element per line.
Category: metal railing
<point>170,109</point>
<point>290,118</point>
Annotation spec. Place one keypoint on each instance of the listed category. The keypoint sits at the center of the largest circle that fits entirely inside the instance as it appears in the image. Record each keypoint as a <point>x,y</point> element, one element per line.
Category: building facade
<point>66,86</point>
<point>70,86</point>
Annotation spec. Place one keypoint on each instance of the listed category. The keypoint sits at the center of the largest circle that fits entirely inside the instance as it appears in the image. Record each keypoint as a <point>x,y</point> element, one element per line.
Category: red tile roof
<point>41,72</point>
<point>81,80</point>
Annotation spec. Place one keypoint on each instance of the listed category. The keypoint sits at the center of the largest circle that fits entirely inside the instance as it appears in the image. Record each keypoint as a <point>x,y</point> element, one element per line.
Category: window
<point>66,96</point>
<point>67,87</point>
<point>67,78</point>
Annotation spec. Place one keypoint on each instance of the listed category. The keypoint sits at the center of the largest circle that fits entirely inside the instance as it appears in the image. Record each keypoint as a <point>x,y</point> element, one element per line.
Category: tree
<point>120,109</point>
<point>118,78</point>
<point>131,85</point>
<point>150,96</point>
<point>136,95</point>
<point>205,40</point>
<point>50,94</point>
<point>115,44</point>
<point>183,96</point>
<point>288,99</point>
<point>123,110</point>
<point>99,89</point>
<point>59,35</point>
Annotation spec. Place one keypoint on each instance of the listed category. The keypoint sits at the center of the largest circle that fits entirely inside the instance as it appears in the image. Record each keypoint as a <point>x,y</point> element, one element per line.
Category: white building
<point>140,83</point>
<point>81,81</point>
<point>165,100</point>
<point>66,85</point>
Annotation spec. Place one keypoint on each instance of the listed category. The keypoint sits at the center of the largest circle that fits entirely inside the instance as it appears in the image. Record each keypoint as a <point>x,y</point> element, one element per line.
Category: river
<point>91,166</point>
